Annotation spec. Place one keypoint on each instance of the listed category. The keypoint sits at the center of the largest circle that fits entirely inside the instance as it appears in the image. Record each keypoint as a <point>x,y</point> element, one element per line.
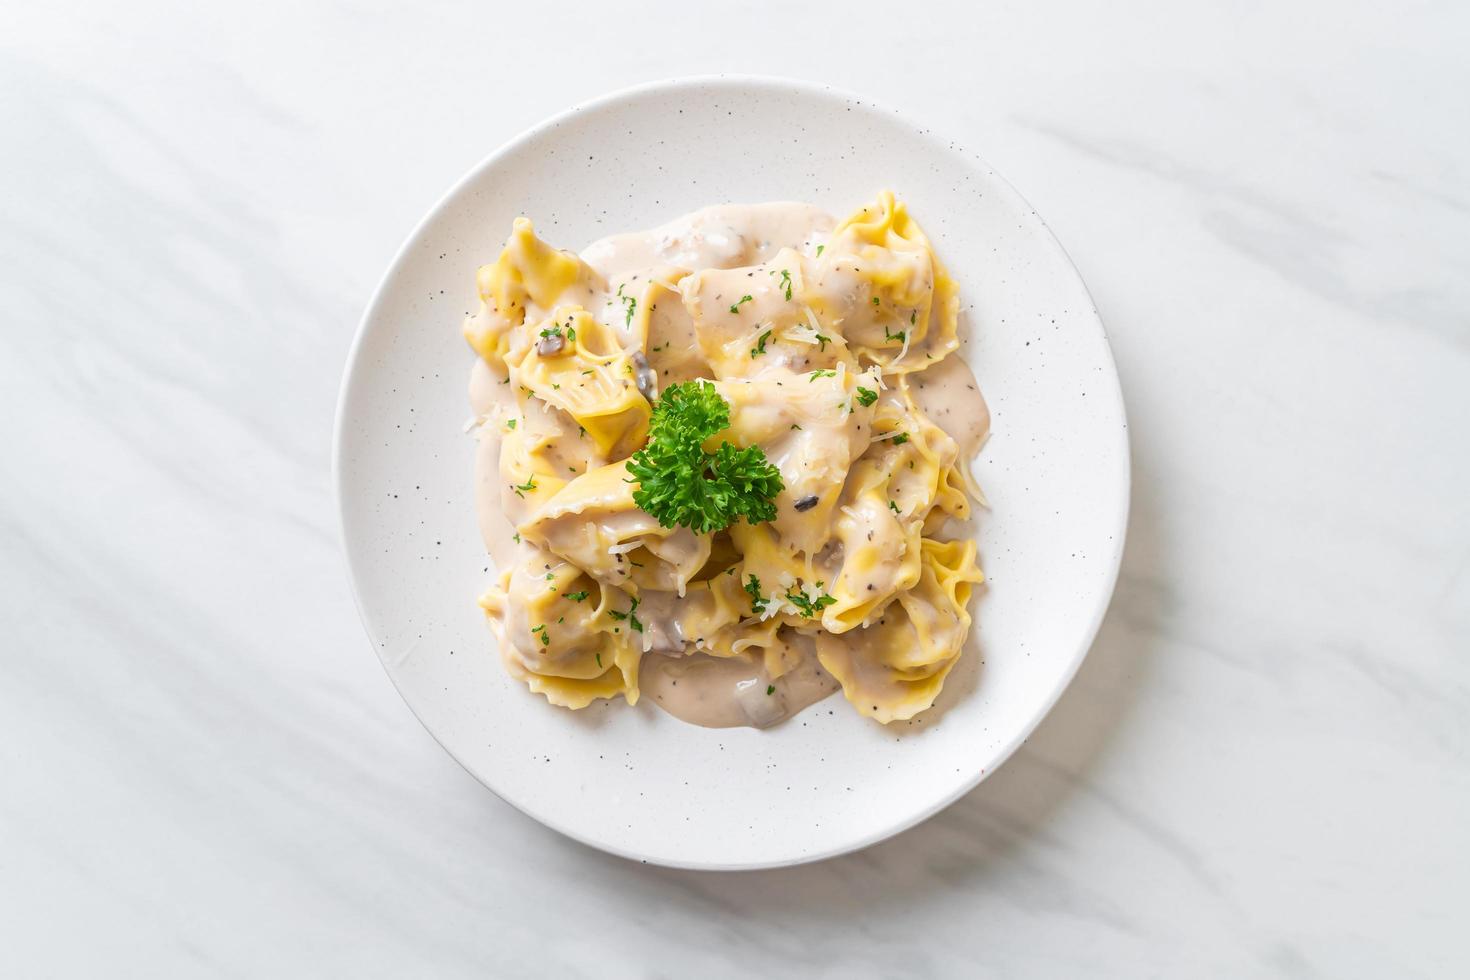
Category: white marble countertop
<point>1261,769</point>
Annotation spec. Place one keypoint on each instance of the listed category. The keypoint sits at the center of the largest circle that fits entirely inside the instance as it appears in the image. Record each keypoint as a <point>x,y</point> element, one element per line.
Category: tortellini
<point>557,634</point>
<point>816,334</point>
<point>593,522</point>
<point>895,667</point>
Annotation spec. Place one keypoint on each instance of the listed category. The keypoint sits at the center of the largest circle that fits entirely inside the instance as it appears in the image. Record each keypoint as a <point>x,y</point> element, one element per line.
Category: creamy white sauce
<point>731,692</point>
<point>714,692</point>
<point>492,403</point>
<point>949,394</point>
<point>721,237</point>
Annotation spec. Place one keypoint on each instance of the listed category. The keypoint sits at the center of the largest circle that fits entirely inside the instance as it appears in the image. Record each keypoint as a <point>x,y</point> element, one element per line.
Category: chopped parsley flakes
<point>807,606</point>
<point>758,602</point>
<point>629,616</point>
<point>629,305</point>
<point>760,347</point>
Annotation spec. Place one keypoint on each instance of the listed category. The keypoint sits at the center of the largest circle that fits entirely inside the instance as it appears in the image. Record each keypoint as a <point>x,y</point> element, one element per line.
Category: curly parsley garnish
<point>866,396</point>
<point>681,484</point>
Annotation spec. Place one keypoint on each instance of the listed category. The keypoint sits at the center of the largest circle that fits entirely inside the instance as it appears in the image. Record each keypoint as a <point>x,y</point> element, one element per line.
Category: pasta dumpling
<point>593,522</point>
<point>583,372</point>
<point>555,633</point>
<point>894,668</point>
<point>766,370</point>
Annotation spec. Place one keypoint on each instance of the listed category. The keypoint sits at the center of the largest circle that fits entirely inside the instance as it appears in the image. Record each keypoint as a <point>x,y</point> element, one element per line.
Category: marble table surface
<point>1261,769</point>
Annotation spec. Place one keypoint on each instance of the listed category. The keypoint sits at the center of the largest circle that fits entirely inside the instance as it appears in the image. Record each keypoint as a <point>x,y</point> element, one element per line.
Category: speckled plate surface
<point>635,781</point>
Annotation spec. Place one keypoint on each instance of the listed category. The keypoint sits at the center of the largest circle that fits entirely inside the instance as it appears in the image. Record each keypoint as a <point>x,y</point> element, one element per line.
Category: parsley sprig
<point>681,484</point>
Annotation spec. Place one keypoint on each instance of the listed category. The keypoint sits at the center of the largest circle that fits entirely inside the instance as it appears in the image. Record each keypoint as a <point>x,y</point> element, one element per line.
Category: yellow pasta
<point>593,522</point>
<point>586,375</point>
<point>555,634</point>
<point>817,336</point>
<point>897,668</point>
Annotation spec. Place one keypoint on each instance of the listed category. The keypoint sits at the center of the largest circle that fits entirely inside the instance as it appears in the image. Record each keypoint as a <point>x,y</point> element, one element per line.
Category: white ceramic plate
<point>635,781</point>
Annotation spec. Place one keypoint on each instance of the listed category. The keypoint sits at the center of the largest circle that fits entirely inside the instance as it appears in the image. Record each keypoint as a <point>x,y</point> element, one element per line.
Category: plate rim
<point>737,81</point>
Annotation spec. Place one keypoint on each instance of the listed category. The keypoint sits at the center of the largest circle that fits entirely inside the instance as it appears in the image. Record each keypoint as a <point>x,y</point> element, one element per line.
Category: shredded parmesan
<point>907,336</point>
<point>803,334</point>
